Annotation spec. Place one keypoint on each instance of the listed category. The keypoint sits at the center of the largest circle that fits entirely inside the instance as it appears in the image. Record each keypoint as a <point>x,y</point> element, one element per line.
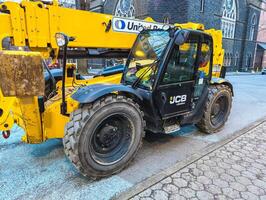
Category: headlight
<point>61,39</point>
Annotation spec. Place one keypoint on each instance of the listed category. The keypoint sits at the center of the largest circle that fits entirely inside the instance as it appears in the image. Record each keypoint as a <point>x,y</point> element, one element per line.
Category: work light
<point>61,39</point>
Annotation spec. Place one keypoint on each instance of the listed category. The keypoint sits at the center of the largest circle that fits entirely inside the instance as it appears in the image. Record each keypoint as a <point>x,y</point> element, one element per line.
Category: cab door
<point>175,90</point>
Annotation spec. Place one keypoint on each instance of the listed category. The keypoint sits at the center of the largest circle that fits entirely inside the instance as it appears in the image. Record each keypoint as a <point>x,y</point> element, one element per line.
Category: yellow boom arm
<point>34,25</point>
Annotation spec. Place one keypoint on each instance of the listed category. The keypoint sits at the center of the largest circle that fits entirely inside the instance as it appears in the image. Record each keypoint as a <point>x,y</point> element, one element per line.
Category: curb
<point>248,74</point>
<point>149,182</point>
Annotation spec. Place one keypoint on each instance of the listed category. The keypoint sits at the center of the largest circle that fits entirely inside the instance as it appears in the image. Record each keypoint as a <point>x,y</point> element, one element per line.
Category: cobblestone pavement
<point>235,171</point>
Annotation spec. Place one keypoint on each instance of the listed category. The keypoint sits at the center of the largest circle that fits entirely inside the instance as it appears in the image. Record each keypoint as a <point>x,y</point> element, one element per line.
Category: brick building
<point>261,45</point>
<point>238,19</point>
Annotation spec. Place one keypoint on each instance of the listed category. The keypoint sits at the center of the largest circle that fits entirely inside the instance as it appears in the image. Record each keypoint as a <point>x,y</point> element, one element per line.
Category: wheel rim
<point>112,139</point>
<point>219,111</point>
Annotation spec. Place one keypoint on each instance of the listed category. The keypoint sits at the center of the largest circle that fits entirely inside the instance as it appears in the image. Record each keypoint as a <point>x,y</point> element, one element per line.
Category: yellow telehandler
<point>172,77</point>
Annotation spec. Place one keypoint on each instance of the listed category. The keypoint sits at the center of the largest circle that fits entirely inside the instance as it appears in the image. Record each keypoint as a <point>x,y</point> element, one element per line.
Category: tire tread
<point>79,118</point>
<point>204,124</point>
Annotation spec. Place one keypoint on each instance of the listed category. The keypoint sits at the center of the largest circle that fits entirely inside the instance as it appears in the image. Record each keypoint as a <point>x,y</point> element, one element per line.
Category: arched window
<point>249,60</point>
<point>231,59</point>
<point>166,19</point>
<point>252,28</point>
<point>229,15</point>
<point>225,59</point>
<point>236,59</point>
<point>228,60</point>
<point>125,8</point>
<point>202,4</point>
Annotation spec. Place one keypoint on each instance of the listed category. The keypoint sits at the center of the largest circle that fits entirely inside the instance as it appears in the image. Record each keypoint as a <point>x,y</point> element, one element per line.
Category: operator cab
<point>171,70</point>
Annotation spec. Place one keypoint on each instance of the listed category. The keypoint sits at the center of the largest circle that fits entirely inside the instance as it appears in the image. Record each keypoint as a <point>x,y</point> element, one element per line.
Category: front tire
<point>103,138</point>
<point>217,109</point>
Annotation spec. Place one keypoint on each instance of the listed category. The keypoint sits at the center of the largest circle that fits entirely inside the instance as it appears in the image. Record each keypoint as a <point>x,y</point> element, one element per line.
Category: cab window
<point>203,73</point>
<point>205,57</point>
<point>181,65</point>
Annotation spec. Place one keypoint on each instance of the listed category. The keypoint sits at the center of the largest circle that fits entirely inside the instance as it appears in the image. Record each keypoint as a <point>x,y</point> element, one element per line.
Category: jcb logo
<point>179,100</point>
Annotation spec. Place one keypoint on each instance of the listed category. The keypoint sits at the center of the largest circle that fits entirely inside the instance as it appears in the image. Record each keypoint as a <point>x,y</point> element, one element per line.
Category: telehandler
<point>168,81</point>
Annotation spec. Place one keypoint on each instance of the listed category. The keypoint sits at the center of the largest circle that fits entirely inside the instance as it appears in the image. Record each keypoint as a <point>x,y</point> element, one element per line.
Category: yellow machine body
<point>32,26</point>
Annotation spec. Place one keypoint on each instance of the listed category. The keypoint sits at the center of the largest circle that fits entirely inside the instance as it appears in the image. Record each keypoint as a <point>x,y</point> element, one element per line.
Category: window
<point>144,58</point>
<point>249,60</point>
<point>205,57</point>
<point>229,15</point>
<point>67,3</point>
<point>230,59</point>
<point>181,64</point>
<point>225,59</point>
<point>252,29</point>
<point>166,20</point>
<point>125,8</point>
<point>236,59</point>
<point>202,2</point>
<point>204,67</point>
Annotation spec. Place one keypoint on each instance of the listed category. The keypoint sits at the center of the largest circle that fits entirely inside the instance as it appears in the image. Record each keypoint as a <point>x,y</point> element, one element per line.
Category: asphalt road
<point>43,172</point>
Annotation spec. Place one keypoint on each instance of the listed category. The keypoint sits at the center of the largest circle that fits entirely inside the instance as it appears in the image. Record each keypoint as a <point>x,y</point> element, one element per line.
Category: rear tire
<point>217,109</point>
<point>103,138</point>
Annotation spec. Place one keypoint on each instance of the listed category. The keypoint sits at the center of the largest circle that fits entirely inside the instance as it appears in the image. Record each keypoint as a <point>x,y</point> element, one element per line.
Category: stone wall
<point>241,49</point>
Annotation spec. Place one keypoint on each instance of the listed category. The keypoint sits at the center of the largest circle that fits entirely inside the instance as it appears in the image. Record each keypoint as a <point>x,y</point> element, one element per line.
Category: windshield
<point>144,57</point>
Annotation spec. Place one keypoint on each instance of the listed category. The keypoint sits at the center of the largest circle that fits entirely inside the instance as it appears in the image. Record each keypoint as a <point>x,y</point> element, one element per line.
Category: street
<point>43,172</point>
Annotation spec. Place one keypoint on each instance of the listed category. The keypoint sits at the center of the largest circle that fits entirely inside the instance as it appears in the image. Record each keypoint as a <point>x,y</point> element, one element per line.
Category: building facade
<point>238,20</point>
<point>261,45</point>
<point>243,29</point>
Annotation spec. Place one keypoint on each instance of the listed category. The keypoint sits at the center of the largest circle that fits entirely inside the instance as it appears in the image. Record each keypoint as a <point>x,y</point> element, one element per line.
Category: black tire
<point>214,119</point>
<point>103,138</point>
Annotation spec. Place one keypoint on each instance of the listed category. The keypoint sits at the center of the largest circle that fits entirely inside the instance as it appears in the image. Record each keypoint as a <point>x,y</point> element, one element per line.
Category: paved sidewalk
<point>242,73</point>
<point>236,170</point>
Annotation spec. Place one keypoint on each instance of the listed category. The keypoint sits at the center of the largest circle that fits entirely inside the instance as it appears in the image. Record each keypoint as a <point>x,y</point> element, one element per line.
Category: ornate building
<point>238,20</point>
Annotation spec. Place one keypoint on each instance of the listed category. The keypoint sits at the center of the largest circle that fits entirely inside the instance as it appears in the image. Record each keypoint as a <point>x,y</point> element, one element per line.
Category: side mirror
<point>181,37</point>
